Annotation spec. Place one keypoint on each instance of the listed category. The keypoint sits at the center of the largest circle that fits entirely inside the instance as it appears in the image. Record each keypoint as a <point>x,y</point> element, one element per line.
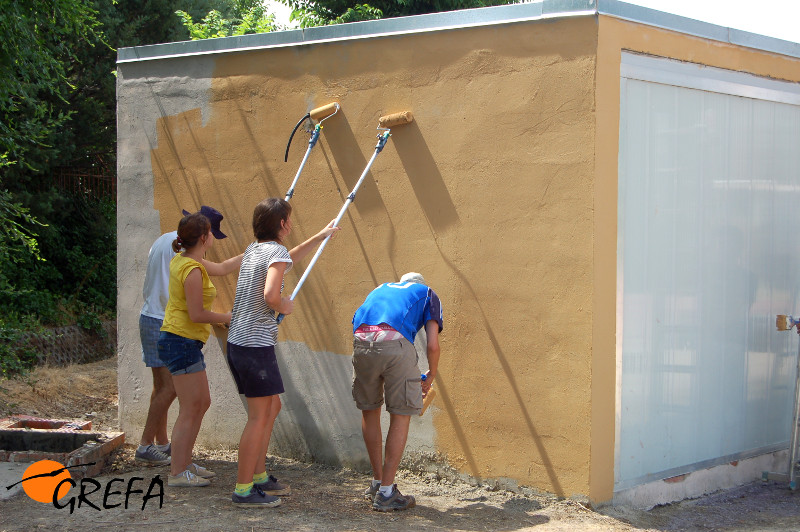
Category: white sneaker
<point>201,471</point>
<point>187,479</point>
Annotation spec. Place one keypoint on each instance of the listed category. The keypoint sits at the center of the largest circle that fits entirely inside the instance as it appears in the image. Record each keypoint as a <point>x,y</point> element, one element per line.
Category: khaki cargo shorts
<point>390,369</point>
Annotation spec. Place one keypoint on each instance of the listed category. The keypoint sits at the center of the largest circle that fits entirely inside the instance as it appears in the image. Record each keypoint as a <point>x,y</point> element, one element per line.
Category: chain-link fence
<point>61,346</point>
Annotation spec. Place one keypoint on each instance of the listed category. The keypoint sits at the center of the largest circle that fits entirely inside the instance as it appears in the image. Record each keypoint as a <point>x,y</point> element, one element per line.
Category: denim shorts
<point>180,355</point>
<point>149,331</point>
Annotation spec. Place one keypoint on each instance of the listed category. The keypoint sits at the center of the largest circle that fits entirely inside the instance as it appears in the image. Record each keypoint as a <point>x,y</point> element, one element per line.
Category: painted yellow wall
<point>614,36</point>
<point>489,194</point>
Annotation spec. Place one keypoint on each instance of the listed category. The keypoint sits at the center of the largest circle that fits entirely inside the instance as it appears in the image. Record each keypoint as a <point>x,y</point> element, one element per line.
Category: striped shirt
<point>253,322</point>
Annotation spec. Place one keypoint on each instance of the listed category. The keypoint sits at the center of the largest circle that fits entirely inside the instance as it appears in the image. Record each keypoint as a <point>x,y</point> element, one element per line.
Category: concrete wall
<point>489,194</point>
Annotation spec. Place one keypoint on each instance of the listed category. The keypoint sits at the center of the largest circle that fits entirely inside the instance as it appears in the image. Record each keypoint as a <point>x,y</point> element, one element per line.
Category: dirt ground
<point>326,498</point>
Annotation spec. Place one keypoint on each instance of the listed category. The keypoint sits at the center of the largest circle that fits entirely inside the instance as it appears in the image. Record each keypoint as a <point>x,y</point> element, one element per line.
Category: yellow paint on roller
<point>325,111</point>
<point>396,119</point>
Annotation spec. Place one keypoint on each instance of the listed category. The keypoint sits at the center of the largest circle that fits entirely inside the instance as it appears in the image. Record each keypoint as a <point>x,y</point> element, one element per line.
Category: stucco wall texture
<point>488,193</point>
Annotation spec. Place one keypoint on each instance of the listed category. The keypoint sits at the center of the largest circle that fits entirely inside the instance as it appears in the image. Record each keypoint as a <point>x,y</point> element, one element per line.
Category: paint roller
<point>320,114</point>
<point>784,322</point>
<point>385,123</point>
<point>396,119</point>
<point>428,397</point>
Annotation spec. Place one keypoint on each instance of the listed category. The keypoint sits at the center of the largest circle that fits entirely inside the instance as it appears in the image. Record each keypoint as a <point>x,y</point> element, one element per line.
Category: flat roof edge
<point>668,21</point>
<point>538,10</point>
<point>359,30</point>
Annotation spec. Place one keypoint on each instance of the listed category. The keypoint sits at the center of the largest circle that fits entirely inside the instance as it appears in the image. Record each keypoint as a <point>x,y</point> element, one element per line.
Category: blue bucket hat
<point>214,216</point>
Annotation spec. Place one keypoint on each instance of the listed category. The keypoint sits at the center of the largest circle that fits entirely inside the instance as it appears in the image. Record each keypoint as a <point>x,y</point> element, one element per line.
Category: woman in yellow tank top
<point>186,328</point>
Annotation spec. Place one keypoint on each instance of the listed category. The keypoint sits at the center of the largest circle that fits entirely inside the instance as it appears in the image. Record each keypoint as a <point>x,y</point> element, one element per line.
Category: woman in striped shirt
<point>251,343</point>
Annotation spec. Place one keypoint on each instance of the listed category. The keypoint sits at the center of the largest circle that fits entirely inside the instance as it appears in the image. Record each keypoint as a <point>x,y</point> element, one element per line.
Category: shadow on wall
<point>169,157</point>
<point>425,178</point>
<point>368,199</point>
<point>441,214</point>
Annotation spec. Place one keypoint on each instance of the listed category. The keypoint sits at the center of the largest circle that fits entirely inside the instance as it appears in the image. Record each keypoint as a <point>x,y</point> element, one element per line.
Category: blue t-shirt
<point>406,307</point>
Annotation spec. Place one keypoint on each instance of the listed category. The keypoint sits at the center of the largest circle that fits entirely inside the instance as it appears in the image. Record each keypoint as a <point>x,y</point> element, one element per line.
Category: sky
<point>774,18</point>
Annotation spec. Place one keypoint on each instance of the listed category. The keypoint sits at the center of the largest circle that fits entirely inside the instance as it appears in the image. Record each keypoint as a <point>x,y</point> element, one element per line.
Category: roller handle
<point>428,398</point>
<point>286,156</point>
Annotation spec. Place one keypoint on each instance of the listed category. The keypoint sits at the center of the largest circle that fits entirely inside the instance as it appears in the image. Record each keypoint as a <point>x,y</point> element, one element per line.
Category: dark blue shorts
<point>180,355</point>
<point>255,370</point>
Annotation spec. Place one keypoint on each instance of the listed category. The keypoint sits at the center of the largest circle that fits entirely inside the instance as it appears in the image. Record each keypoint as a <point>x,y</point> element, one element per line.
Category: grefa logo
<point>48,481</point>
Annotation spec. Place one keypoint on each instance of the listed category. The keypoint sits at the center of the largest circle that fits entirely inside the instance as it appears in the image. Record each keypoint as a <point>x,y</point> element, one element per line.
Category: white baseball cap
<point>412,277</point>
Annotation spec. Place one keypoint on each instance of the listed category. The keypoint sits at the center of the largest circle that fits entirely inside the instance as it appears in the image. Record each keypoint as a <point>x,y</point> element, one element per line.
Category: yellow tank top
<point>176,316</point>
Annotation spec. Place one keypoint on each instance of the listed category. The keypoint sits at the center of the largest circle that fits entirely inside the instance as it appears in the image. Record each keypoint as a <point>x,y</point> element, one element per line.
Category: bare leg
<point>395,445</point>
<point>373,439</point>
<point>155,427</point>
<point>275,408</point>
<point>193,399</point>
<point>258,417</point>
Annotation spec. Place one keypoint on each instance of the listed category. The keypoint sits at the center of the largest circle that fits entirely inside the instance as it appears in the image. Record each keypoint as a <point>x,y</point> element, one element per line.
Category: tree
<point>249,16</point>
<point>58,109</point>
<point>323,12</point>
<point>17,239</point>
<point>36,55</point>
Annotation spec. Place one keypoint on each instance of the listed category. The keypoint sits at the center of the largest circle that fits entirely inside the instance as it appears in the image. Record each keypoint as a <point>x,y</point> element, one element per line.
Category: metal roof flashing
<point>536,10</point>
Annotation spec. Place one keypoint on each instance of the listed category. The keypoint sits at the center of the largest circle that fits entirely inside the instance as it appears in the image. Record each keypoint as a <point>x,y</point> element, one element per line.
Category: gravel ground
<point>328,498</point>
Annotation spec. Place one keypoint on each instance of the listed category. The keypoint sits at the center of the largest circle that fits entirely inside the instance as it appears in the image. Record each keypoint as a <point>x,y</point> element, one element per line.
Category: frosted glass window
<point>708,254</point>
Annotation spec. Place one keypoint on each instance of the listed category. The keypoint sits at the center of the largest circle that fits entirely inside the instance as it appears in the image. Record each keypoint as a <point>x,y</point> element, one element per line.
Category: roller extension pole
<point>321,114</point>
<point>384,123</point>
<point>381,143</point>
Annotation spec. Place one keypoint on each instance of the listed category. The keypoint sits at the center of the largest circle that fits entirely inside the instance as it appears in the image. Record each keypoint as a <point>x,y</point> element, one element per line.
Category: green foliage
<point>79,248</point>
<point>17,357</point>
<point>58,109</point>
<point>248,18</point>
<point>253,22</point>
<point>35,68</point>
<point>17,239</point>
<point>68,278</point>
<point>323,12</point>
<point>310,17</point>
<point>212,25</point>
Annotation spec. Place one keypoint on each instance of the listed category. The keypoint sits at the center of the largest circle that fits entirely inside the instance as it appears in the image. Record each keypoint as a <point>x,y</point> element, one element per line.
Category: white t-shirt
<point>156,279</point>
<point>253,322</point>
